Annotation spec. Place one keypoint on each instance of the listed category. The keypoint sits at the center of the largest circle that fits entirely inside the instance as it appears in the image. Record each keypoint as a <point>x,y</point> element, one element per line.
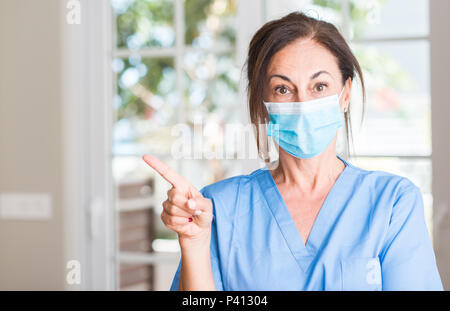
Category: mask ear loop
<point>342,91</point>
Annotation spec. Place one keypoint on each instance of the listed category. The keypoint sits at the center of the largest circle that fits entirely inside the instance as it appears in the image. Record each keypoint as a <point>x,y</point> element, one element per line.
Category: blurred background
<point>88,87</point>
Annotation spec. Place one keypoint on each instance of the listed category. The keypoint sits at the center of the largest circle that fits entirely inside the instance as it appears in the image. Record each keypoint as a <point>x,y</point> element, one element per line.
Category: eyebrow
<point>313,76</point>
<point>319,73</point>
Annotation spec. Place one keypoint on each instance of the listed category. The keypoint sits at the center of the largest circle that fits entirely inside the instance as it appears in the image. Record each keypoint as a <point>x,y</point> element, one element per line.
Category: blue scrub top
<point>370,234</point>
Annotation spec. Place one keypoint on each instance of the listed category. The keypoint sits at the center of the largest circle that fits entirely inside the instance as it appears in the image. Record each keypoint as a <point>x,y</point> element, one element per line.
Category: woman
<point>315,222</point>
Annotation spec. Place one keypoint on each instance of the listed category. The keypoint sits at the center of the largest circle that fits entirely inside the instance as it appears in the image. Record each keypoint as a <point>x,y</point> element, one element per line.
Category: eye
<point>282,90</point>
<point>320,87</point>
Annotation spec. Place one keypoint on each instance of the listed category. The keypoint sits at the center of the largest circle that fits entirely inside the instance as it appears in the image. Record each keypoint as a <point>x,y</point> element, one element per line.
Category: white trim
<point>345,11</point>
<point>400,156</point>
<point>169,52</point>
<point>88,190</point>
<point>179,67</point>
<point>113,93</point>
<point>125,205</point>
<point>250,17</point>
<point>74,192</point>
<point>389,39</point>
<point>149,258</point>
<point>148,52</point>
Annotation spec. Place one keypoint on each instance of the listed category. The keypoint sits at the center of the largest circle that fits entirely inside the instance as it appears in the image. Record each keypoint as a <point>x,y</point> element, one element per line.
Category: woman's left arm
<point>407,259</point>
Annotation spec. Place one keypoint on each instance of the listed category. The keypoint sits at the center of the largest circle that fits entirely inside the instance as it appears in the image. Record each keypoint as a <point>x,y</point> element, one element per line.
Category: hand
<point>185,211</point>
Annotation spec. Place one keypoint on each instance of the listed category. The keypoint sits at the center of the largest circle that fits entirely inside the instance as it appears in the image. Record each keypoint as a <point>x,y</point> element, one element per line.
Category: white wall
<point>440,109</point>
<point>31,252</point>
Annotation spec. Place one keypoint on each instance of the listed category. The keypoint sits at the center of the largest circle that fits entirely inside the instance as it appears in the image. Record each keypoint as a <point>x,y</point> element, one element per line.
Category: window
<point>391,41</point>
<point>175,63</point>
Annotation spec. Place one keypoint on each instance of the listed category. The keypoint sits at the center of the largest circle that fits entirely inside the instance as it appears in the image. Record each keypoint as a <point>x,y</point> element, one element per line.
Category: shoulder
<point>230,187</point>
<point>226,194</point>
<point>393,201</point>
<point>379,181</point>
<point>387,193</point>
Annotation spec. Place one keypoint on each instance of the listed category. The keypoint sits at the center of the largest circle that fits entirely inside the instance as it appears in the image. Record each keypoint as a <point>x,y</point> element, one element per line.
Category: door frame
<point>86,55</point>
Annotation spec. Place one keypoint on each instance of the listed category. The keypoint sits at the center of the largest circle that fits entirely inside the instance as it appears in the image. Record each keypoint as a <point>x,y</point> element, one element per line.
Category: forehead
<point>302,57</point>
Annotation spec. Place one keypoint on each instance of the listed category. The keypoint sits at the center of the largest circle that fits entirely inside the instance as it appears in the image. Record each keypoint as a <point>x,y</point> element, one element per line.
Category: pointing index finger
<point>166,172</point>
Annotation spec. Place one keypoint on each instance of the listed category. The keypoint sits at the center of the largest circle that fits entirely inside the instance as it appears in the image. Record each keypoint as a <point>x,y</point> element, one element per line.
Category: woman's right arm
<point>189,214</point>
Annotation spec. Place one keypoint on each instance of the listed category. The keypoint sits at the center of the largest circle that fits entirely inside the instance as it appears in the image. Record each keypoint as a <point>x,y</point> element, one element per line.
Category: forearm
<point>196,271</point>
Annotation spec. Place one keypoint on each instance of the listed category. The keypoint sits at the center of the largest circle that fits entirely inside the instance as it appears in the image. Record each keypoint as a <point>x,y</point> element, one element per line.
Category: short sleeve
<point>407,258</point>
<point>214,250</point>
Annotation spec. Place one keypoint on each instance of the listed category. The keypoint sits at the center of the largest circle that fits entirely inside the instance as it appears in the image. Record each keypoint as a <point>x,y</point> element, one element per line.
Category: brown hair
<point>275,35</point>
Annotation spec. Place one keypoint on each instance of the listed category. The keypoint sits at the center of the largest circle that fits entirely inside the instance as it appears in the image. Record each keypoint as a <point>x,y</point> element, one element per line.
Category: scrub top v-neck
<point>304,253</point>
<point>369,234</point>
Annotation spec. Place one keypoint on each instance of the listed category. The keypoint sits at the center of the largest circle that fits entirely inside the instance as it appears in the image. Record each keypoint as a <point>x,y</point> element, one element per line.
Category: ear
<point>345,99</point>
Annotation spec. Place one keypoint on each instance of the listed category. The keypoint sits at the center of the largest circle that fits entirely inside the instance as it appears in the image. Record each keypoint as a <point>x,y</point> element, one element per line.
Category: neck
<point>309,175</point>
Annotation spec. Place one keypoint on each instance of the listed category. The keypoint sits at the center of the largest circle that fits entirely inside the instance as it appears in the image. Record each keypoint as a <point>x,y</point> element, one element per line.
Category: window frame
<point>87,122</point>
<point>345,10</point>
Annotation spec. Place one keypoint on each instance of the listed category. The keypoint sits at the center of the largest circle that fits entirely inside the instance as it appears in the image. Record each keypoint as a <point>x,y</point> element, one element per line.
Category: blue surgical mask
<point>305,129</point>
